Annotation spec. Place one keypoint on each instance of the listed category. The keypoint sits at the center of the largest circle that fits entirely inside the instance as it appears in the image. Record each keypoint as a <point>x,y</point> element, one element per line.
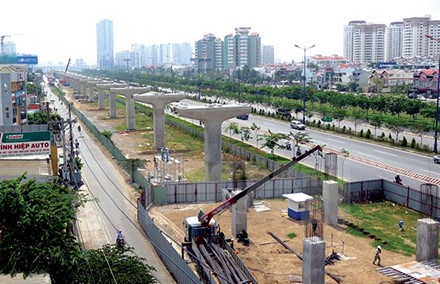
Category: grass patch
<point>381,220</point>
<point>291,235</point>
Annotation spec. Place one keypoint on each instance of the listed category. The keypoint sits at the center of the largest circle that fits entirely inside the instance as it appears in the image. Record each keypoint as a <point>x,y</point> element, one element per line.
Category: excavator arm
<point>206,218</point>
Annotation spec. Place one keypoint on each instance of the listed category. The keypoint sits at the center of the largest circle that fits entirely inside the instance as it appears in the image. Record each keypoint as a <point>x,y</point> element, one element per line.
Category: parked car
<point>243,116</point>
<point>436,159</point>
<point>295,124</point>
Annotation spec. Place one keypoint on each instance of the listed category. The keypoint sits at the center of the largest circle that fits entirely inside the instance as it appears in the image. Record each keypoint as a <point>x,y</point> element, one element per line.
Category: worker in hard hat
<point>377,255</point>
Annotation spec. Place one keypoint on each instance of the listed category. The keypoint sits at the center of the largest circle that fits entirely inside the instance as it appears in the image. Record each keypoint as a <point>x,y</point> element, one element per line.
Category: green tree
<point>300,138</point>
<point>233,128</point>
<point>111,264</point>
<point>245,132</point>
<point>376,122</point>
<point>255,128</point>
<point>37,220</point>
<point>344,154</point>
<point>396,127</point>
<point>272,141</point>
<point>40,117</point>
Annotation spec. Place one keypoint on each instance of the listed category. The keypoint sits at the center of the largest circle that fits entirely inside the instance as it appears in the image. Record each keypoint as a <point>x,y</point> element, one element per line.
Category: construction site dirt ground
<point>267,260</point>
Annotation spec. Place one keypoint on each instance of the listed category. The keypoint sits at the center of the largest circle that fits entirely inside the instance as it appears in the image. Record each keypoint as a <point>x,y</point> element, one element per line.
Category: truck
<point>200,231</point>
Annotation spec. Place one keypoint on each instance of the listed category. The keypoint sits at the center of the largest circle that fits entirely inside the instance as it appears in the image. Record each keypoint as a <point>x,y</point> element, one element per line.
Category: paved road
<point>366,161</point>
<point>112,207</point>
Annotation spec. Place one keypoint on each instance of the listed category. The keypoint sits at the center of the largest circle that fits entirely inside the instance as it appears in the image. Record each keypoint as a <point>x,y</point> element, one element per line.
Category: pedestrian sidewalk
<point>92,230</point>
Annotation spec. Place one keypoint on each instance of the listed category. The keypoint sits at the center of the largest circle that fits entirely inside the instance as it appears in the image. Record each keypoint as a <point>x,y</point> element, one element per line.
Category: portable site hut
<point>297,208</point>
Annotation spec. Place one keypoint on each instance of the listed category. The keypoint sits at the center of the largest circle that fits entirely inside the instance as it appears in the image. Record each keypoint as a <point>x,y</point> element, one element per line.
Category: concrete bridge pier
<point>112,97</point>
<point>212,116</point>
<point>129,92</point>
<point>159,101</point>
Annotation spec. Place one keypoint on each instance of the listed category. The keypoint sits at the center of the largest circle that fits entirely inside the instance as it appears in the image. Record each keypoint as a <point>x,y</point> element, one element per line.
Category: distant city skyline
<point>56,34</point>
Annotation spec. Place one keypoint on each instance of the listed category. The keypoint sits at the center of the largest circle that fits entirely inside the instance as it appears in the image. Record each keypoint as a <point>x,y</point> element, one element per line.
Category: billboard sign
<point>24,144</point>
<point>27,59</point>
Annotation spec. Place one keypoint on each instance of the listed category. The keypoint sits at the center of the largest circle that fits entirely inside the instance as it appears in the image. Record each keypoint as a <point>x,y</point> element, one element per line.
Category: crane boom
<point>206,218</point>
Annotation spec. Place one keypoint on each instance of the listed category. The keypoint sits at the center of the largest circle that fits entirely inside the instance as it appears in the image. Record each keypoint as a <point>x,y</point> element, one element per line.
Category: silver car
<point>436,159</point>
<point>295,124</point>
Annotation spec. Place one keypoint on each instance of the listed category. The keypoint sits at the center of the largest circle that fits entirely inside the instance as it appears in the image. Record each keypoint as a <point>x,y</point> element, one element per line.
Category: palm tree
<point>233,128</point>
<point>344,154</point>
<point>272,141</point>
<point>300,138</point>
<point>245,133</point>
<point>255,128</point>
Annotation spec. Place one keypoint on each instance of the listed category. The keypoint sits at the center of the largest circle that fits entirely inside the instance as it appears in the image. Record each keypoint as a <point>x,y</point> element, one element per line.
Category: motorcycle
<point>398,180</point>
<point>120,242</point>
<point>288,146</point>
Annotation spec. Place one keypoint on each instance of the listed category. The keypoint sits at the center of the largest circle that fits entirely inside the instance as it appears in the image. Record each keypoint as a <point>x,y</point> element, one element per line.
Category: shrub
<point>413,143</point>
<point>404,142</point>
<point>107,133</point>
<point>361,133</point>
<point>368,134</point>
<point>344,129</point>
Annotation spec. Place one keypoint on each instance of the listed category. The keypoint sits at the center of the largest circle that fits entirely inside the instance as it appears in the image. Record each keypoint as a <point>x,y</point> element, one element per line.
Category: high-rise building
<point>182,53</point>
<point>9,48</point>
<point>241,49</point>
<point>104,39</point>
<point>348,39</point>
<point>268,54</point>
<point>364,43</point>
<point>209,53</point>
<point>415,43</point>
<point>394,41</point>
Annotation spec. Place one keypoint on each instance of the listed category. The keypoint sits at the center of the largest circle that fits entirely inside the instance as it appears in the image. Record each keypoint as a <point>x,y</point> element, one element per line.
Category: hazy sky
<point>58,30</point>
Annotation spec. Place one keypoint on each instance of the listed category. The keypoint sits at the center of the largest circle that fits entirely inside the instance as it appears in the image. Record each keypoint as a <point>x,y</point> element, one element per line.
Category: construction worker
<point>377,255</point>
<point>199,216</point>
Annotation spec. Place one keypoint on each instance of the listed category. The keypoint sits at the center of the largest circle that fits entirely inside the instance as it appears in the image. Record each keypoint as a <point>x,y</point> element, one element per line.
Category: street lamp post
<point>437,100</point>
<point>304,81</point>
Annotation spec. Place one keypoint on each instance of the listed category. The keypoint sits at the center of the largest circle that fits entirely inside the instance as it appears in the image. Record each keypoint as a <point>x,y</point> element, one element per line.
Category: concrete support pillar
<point>212,117</point>
<point>91,92</point>
<point>84,87</point>
<point>159,101</point>
<point>159,127</point>
<point>101,98</point>
<point>213,150</point>
<point>427,240</point>
<point>239,214</point>
<point>330,197</point>
<point>112,97</point>
<point>112,105</point>
<point>129,112</point>
<point>313,261</point>
<point>129,93</point>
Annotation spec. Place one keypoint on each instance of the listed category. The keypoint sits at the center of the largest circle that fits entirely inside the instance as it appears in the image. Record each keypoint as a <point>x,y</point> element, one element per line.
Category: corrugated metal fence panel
<point>395,192</point>
<point>170,257</point>
<point>208,192</point>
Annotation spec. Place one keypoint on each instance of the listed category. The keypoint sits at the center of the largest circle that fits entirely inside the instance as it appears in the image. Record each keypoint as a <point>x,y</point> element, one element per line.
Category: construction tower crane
<point>2,39</point>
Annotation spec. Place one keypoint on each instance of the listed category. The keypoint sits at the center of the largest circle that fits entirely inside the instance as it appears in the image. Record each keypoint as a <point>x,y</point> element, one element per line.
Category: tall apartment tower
<point>104,39</point>
<point>268,54</point>
<point>241,49</point>
<point>348,39</point>
<point>181,53</point>
<point>364,43</point>
<point>394,42</point>
<point>209,53</point>
<point>415,42</point>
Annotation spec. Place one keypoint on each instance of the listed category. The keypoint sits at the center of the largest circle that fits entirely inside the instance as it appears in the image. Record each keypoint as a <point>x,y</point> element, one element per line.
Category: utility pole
<point>72,156</point>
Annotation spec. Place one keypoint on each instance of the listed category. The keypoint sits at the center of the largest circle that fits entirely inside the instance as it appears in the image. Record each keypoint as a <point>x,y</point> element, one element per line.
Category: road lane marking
<point>386,153</point>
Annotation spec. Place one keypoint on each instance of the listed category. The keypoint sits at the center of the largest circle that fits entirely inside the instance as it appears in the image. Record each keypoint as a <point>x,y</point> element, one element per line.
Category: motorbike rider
<point>120,238</point>
<point>298,151</point>
<point>397,179</point>
<point>288,145</point>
